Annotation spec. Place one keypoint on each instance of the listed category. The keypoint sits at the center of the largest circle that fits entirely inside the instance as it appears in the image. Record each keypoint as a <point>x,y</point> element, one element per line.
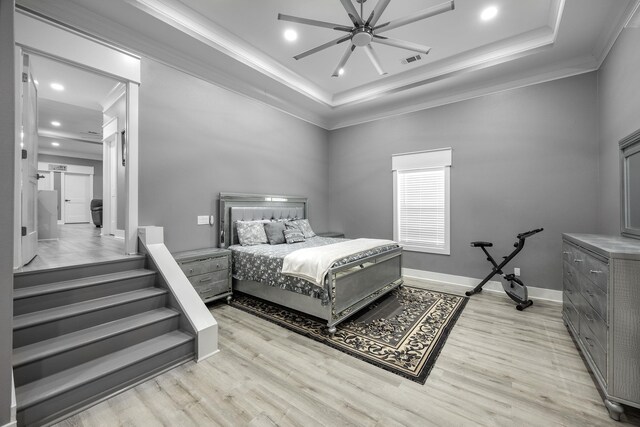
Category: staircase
<point>83,333</point>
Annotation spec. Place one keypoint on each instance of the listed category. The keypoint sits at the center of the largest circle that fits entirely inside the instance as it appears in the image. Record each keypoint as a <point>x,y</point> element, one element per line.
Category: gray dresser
<point>601,308</point>
<point>209,271</point>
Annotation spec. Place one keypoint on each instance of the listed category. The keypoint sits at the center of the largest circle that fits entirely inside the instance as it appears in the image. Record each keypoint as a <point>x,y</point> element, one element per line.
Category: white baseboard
<point>469,282</point>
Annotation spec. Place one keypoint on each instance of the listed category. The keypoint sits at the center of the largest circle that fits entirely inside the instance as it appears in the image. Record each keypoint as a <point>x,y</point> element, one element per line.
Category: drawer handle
<point>569,291</point>
<point>566,252</point>
<point>191,270</point>
<point>206,279</point>
<point>588,292</point>
<point>595,271</point>
<point>578,260</point>
<point>589,341</point>
<point>590,319</point>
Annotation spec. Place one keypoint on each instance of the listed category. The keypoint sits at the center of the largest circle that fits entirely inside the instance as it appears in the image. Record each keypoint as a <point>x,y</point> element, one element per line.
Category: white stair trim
<point>469,282</point>
<point>195,311</point>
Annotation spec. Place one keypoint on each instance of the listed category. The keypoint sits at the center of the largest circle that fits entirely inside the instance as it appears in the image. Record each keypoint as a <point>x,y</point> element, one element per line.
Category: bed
<point>350,284</point>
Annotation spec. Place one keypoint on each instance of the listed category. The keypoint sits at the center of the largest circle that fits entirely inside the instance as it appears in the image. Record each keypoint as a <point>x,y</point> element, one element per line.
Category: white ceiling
<point>239,44</point>
<point>78,108</point>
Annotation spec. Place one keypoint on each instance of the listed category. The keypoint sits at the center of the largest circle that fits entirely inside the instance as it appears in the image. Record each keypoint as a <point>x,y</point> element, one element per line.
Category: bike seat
<point>481,244</point>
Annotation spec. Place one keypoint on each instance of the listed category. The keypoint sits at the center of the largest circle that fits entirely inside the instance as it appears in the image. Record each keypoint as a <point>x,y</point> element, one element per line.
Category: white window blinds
<point>421,199</point>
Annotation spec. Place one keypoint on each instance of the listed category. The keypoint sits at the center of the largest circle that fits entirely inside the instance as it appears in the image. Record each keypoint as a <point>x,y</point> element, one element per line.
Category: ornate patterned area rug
<point>403,332</point>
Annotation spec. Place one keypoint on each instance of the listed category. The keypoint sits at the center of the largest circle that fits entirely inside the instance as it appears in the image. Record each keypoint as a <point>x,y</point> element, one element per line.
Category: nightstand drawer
<point>202,281</point>
<point>204,265</point>
<point>213,289</point>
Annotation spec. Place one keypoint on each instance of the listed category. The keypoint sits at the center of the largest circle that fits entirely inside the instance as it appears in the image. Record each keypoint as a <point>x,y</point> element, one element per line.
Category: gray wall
<point>97,169</point>
<point>619,100</point>
<point>7,178</point>
<point>197,140</point>
<point>522,159</point>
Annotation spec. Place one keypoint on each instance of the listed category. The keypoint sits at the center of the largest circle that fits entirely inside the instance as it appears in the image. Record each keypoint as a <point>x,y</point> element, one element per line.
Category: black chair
<point>96,212</point>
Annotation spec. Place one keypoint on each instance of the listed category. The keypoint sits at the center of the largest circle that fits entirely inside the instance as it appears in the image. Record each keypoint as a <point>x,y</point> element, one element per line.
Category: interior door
<point>76,198</point>
<point>29,164</point>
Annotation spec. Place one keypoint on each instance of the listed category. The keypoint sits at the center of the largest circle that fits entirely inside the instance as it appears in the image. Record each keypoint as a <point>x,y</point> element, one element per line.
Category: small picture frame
<point>123,145</point>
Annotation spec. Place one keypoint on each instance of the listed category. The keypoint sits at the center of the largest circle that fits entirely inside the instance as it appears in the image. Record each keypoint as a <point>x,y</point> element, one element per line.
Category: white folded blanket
<point>312,264</point>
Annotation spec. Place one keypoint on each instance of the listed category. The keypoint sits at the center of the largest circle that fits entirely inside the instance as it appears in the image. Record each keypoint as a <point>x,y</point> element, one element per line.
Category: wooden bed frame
<point>352,286</point>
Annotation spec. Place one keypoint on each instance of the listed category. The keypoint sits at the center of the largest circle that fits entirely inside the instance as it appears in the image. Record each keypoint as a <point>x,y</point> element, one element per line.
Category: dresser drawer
<point>571,313</point>
<point>204,265</point>
<point>595,296</point>
<point>597,353</point>
<point>597,327</point>
<point>598,272</point>
<point>570,279</point>
<point>567,252</point>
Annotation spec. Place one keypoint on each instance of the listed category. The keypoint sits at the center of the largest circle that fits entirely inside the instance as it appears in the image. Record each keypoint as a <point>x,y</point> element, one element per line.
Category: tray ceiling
<point>239,44</point>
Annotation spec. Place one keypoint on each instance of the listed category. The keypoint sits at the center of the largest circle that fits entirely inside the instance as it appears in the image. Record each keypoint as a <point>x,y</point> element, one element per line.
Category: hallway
<point>77,244</point>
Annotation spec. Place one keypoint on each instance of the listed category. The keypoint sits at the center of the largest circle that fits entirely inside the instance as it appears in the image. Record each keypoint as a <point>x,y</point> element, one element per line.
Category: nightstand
<point>331,234</point>
<point>209,271</point>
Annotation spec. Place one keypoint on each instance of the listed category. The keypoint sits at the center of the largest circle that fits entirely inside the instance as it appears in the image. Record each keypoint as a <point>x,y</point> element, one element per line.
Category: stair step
<point>41,297</point>
<point>60,274</point>
<point>47,399</point>
<point>41,325</point>
<point>47,357</point>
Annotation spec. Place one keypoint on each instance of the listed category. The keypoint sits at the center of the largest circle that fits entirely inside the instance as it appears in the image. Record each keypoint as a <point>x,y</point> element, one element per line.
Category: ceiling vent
<point>411,59</point>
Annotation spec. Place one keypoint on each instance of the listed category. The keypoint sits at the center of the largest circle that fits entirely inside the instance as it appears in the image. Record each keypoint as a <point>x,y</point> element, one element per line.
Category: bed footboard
<point>359,283</point>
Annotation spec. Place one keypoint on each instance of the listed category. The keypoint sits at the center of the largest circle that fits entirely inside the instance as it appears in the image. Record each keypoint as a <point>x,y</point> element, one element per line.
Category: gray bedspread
<point>263,263</point>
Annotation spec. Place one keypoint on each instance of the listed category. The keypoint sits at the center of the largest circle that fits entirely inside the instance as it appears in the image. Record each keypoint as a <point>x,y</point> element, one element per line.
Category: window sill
<point>411,248</point>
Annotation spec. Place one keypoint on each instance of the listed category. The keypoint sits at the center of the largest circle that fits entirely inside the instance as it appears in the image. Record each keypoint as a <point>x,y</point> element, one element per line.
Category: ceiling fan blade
<point>343,60</point>
<point>352,12</point>
<point>374,59</point>
<point>313,22</point>
<point>423,14</point>
<point>377,12</point>
<point>323,46</point>
<point>402,44</point>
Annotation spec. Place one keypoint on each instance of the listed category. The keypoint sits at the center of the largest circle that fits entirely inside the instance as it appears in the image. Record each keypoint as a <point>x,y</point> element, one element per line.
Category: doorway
<point>74,87</point>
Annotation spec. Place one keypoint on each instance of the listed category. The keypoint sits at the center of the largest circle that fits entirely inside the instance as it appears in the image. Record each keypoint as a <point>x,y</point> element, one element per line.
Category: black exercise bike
<point>516,290</point>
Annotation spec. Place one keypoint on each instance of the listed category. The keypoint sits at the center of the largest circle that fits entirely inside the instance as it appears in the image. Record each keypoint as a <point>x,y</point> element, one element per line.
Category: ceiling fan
<point>363,33</point>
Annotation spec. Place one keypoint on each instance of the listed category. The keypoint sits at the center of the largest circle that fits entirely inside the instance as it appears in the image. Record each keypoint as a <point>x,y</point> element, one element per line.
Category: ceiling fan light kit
<point>365,33</point>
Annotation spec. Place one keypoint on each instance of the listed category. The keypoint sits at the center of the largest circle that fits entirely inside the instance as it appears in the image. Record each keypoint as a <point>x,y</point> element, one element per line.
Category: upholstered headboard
<point>249,207</point>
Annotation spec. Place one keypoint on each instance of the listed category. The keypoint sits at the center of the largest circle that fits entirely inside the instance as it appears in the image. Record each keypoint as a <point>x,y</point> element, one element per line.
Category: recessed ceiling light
<point>55,144</point>
<point>55,123</point>
<point>341,71</point>
<point>291,35</point>
<point>57,86</point>
<point>489,13</point>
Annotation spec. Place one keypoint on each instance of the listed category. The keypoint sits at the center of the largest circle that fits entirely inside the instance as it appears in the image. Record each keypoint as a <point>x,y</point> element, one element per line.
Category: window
<point>421,200</point>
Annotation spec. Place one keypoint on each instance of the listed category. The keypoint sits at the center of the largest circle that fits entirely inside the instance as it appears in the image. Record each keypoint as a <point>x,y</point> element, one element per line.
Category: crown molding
<point>605,44</point>
<point>570,68</point>
<point>188,21</point>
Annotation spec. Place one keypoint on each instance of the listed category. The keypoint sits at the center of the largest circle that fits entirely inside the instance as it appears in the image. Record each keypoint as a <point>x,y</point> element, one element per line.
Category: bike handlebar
<point>523,236</point>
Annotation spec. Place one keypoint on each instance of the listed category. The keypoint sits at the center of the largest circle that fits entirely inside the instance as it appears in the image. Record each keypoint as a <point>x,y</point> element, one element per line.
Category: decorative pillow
<point>304,226</point>
<point>293,235</point>
<point>275,232</point>
<point>251,233</point>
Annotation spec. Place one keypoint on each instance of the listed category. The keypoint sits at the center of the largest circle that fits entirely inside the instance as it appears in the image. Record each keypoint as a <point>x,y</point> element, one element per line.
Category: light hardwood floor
<point>499,367</point>
<point>77,244</point>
